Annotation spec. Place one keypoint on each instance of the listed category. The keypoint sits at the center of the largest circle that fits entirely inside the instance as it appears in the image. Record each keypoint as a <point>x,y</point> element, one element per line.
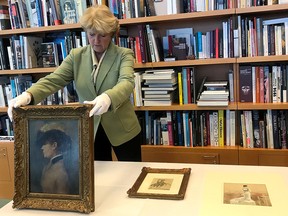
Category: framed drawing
<point>161,184</point>
<point>53,140</point>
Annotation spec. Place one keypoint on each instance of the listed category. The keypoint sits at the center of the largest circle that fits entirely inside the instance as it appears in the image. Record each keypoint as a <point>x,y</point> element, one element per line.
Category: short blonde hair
<point>99,19</point>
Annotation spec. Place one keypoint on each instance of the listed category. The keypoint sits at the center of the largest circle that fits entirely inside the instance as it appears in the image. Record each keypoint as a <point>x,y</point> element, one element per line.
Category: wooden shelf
<point>231,106</point>
<point>28,71</point>
<point>262,9</point>
<point>262,106</point>
<point>3,109</point>
<point>178,17</point>
<point>221,155</point>
<point>43,29</point>
<point>261,59</point>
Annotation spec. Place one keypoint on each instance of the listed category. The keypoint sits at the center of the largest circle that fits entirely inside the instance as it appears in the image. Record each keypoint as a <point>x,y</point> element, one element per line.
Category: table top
<point>204,194</point>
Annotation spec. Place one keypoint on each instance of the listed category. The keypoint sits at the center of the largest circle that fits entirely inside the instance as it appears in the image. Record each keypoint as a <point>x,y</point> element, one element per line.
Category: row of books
<point>190,128</point>
<point>125,9</point>
<point>252,3</point>
<point>36,13</point>
<point>263,84</point>
<point>215,93</point>
<point>250,37</point>
<point>6,128</point>
<point>164,87</point>
<point>156,87</point>
<point>261,37</point>
<point>264,129</point>
<point>13,86</point>
<point>26,51</point>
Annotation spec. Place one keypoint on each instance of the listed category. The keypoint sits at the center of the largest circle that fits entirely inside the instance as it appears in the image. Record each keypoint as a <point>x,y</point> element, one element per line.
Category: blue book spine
<point>39,12</point>
<point>180,128</point>
<point>184,84</point>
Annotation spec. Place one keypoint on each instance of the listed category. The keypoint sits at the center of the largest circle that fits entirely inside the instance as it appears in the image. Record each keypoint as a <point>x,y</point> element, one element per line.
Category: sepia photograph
<point>246,194</point>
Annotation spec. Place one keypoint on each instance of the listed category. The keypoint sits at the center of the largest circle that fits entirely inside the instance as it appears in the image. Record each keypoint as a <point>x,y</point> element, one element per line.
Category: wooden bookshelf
<point>203,21</point>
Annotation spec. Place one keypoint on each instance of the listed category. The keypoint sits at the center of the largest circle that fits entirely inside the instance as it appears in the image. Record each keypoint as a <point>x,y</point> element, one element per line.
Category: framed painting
<point>54,162</point>
<point>161,184</point>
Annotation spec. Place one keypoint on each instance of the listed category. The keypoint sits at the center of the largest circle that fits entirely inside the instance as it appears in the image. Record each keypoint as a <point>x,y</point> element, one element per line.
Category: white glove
<point>21,100</point>
<point>101,104</point>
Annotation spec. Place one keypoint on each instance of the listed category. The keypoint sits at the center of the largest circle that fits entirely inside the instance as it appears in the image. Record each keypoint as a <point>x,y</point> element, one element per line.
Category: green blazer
<point>115,78</point>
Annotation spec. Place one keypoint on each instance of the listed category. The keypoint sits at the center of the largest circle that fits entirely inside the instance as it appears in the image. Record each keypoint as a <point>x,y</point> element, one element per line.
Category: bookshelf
<point>201,21</point>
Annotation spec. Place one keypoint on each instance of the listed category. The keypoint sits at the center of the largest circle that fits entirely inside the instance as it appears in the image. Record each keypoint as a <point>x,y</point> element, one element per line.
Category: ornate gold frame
<point>161,184</point>
<point>24,196</point>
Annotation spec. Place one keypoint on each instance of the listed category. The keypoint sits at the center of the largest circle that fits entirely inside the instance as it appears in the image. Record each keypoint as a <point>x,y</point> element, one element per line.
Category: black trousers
<point>129,151</point>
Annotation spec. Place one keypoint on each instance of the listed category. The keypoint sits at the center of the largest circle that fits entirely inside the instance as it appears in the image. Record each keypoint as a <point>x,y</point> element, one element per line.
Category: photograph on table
<point>161,184</point>
<point>246,194</point>
<point>54,167</point>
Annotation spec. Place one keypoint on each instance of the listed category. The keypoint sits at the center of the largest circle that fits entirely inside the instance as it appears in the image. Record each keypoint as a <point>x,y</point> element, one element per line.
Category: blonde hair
<point>99,19</point>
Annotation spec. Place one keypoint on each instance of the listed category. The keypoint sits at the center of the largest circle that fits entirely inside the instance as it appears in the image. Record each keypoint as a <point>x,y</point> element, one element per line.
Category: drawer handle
<point>209,157</point>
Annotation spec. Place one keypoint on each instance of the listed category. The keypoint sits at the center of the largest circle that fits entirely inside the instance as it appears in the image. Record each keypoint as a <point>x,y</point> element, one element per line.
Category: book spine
<point>215,129</point>
<point>245,84</point>
<point>143,45</point>
<point>221,127</point>
<point>170,128</point>
<point>151,48</point>
<point>228,128</point>
<point>232,127</point>
<point>180,88</point>
<point>184,86</point>
<point>243,130</point>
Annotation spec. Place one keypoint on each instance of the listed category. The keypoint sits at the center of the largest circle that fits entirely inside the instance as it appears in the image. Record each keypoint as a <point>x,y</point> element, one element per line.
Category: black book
<point>4,17</point>
<point>201,87</point>
<point>150,8</point>
<point>245,84</point>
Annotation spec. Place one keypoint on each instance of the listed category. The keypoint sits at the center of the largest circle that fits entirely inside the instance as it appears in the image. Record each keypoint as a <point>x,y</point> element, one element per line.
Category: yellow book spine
<point>221,127</point>
<point>180,88</point>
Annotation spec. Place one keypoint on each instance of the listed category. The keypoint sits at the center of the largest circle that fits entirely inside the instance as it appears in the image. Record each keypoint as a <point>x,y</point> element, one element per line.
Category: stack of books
<point>215,93</point>
<point>159,87</point>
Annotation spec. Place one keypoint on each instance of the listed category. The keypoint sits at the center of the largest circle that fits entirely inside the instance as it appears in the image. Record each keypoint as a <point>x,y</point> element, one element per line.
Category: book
<point>245,84</point>
<point>55,12</point>
<point>221,127</point>
<point>212,103</point>
<point>32,51</point>
<point>164,131</point>
<point>4,43</point>
<point>160,7</point>
<point>49,54</point>
<point>186,33</point>
<point>256,128</point>
<point>150,43</point>
<point>81,6</point>
<point>4,17</point>
<point>215,83</point>
<point>157,102</point>
<point>32,13</point>
<point>150,8</point>
<point>179,47</point>
<point>201,87</point>
<point>68,11</point>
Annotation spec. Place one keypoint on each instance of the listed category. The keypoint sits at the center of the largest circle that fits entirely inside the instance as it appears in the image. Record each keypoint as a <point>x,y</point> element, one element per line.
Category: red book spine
<point>217,43</point>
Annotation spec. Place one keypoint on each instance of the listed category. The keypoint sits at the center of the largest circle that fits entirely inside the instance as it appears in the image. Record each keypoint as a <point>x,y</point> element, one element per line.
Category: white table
<point>113,179</point>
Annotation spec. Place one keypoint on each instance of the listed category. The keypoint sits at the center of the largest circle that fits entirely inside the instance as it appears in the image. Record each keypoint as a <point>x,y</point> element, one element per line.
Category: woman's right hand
<point>21,100</point>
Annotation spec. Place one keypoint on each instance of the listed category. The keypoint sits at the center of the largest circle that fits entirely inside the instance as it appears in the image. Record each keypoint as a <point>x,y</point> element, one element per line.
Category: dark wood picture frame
<point>32,125</point>
<point>161,184</point>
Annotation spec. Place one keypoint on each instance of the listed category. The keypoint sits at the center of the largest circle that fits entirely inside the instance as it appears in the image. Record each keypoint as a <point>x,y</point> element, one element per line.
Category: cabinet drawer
<point>181,157</point>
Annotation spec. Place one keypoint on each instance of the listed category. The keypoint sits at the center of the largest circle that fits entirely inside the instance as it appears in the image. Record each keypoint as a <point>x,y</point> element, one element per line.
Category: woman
<point>104,77</point>
<point>55,179</point>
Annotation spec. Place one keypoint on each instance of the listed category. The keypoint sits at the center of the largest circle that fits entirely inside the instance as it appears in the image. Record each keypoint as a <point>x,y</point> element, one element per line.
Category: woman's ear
<point>54,145</point>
